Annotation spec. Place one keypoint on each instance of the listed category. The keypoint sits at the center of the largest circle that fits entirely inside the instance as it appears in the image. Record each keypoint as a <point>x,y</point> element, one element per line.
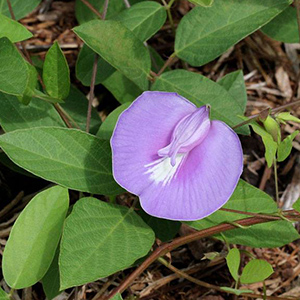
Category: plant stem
<point>276,181</point>
<point>167,247</point>
<point>94,73</point>
<point>170,17</point>
<point>268,217</point>
<point>127,4</point>
<point>168,63</point>
<point>211,286</point>
<point>92,8</point>
<point>272,111</point>
<point>92,93</point>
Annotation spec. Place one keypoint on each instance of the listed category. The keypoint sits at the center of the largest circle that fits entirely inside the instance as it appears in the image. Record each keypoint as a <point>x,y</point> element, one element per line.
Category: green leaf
<point>285,147</point>
<point>164,230</point>
<point>286,116</point>
<point>14,70</point>
<point>233,260</point>
<point>3,295</point>
<point>269,143</point>
<point>108,126</point>
<point>284,27</point>
<point>205,33</point>
<point>69,157</point>
<point>255,271</point>
<point>119,238</point>
<point>51,280</point>
<point>144,19</point>
<point>5,161</point>
<point>34,237</point>
<point>84,67</point>
<point>296,205</point>
<point>234,84</point>
<point>13,30</point>
<point>201,91</point>
<point>20,8</point>
<point>110,39</point>
<point>117,297</point>
<point>122,88</point>
<point>76,105</point>
<point>205,3</point>
<point>235,291</point>
<point>30,86</point>
<point>250,199</point>
<point>84,14</point>
<point>56,73</point>
<point>14,115</point>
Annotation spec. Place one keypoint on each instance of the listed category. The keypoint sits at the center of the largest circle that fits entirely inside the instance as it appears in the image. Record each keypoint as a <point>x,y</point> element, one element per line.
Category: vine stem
<point>272,111</point>
<point>276,181</point>
<point>170,17</point>
<point>168,63</point>
<point>211,286</point>
<point>92,8</point>
<point>95,64</point>
<point>167,247</point>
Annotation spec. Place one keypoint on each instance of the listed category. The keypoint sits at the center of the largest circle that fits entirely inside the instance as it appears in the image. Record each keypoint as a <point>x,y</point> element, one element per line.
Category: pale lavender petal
<point>144,128</point>
<point>204,181</point>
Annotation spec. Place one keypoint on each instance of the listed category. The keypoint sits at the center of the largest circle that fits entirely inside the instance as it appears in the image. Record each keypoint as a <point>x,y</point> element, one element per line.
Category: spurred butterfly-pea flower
<point>182,165</point>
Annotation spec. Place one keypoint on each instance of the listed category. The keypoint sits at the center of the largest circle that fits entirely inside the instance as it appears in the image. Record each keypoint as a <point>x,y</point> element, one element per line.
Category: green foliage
<point>69,157</point>
<point>110,39</point>
<point>296,205</point>
<point>84,67</point>
<point>107,128</point>
<point>13,30</point>
<point>76,105</point>
<point>286,116</point>
<point>201,90</point>
<point>20,7</point>
<point>3,295</point>
<point>117,297</point>
<point>234,84</point>
<point>144,19</point>
<point>15,73</point>
<point>272,127</point>
<point>51,280</point>
<point>205,33</point>
<point>255,271</point>
<point>84,14</point>
<point>34,237</point>
<point>164,230</point>
<point>250,199</point>
<point>205,3</point>
<point>233,260</point>
<point>14,115</point>
<point>120,237</point>
<point>285,147</point>
<point>56,74</point>
<point>284,27</point>
<point>269,143</point>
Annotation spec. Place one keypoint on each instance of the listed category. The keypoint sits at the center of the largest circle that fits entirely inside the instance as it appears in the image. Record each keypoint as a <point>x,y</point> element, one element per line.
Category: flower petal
<point>144,128</point>
<point>203,183</point>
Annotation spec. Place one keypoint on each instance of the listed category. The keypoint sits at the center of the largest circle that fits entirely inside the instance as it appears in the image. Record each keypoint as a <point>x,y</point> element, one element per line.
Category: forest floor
<point>270,70</point>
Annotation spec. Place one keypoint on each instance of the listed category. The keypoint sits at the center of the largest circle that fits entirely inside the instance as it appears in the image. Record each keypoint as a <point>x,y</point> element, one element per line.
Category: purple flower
<point>182,165</point>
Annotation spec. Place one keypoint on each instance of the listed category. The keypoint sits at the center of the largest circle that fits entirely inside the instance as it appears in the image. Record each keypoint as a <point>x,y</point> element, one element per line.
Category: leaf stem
<point>208,285</point>
<point>168,63</point>
<point>92,93</point>
<point>94,72</point>
<point>276,181</point>
<point>170,17</point>
<point>272,111</point>
<point>92,8</point>
<point>167,247</point>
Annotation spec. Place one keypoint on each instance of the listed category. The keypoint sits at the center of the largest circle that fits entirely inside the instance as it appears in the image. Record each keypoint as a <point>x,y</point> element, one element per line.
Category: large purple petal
<point>204,182</point>
<point>144,128</point>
